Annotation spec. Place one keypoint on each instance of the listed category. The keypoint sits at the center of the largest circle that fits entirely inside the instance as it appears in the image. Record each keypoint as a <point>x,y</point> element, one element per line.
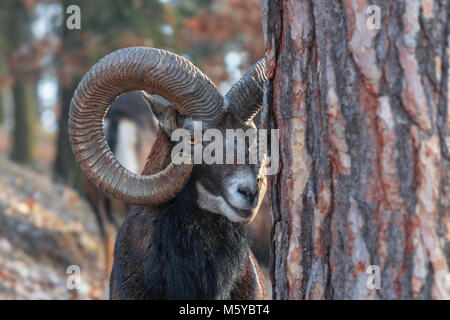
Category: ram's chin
<point>229,212</point>
<point>217,204</point>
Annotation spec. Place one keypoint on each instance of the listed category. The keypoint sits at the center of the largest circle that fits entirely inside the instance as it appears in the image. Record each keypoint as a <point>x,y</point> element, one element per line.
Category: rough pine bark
<point>364,148</point>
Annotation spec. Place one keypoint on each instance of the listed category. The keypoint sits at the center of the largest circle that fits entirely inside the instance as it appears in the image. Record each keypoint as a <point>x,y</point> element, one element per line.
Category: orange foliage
<point>229,20</point>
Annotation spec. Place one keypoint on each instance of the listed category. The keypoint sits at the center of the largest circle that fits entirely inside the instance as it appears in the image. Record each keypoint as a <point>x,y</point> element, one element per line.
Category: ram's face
<point>231,188</point>
<point>227,183</point>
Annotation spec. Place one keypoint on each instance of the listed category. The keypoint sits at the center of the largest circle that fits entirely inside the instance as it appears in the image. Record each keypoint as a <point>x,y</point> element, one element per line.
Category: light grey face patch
<point>237,199</point>
<point>216,204</point>
<point>241,189</point>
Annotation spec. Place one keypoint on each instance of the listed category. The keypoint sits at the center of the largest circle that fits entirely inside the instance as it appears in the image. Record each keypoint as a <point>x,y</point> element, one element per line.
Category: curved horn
<point>137,68</point>
<point>245,97</point>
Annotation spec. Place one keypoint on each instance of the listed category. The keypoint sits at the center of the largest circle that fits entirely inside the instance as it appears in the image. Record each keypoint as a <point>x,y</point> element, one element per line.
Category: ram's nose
<point>249,191</point>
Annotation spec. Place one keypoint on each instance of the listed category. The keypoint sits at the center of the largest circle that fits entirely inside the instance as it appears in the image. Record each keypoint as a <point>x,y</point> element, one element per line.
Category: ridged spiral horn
<point>245,97</point>
<point>137,68</point>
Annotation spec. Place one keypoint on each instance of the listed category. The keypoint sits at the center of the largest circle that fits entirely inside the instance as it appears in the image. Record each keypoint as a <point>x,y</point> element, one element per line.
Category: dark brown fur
<point>231,272</point>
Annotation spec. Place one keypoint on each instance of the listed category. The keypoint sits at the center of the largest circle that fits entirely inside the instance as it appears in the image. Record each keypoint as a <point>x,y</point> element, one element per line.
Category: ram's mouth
<point>245,214</point>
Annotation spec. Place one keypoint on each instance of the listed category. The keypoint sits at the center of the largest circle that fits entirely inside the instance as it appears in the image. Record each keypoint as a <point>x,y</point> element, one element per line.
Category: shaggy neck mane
<point>199,255</point>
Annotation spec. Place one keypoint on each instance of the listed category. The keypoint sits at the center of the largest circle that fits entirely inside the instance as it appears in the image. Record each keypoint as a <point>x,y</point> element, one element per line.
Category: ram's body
<point>185,239</point>
<point>182,252</point>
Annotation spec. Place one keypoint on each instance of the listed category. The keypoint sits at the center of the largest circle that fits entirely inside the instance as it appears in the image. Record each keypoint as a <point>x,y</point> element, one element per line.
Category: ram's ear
<point>163,111</point>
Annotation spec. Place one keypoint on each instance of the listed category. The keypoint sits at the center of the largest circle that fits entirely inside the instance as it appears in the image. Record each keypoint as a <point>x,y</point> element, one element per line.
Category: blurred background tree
<point>17,47</point>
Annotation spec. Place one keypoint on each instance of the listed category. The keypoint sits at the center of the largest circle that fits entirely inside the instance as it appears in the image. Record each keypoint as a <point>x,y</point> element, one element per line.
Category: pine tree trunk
<point>364,148</point>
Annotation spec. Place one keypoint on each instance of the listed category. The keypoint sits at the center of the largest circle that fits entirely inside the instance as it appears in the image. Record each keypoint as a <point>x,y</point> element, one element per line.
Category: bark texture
<point>365,148</point>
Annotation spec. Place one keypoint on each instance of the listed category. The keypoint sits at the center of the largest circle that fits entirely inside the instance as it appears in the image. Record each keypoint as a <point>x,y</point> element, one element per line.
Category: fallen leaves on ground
<point>46,227</point>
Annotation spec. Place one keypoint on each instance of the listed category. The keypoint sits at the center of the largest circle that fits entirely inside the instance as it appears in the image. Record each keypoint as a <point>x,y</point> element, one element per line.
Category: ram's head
<point>233,190</point>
